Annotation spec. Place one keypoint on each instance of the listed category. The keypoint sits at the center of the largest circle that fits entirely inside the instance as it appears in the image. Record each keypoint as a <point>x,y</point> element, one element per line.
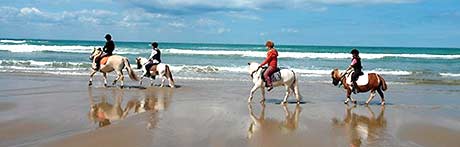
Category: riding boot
<point>354,87</point>
<point>147,72</point>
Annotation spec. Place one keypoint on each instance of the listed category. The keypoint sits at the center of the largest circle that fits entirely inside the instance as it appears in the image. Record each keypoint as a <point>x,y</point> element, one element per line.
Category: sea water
<point>229,61</point>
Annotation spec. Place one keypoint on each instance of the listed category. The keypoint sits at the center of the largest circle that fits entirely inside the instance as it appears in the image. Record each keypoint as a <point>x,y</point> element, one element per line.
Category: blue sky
<point>425,23</point>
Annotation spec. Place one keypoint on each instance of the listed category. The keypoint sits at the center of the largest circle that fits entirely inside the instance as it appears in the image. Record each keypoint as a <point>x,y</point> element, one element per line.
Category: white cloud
<point>30,11</point>
<point>204,6</point>
<point>223,30</point>
<point>177,24</point>
<point>289,30</point>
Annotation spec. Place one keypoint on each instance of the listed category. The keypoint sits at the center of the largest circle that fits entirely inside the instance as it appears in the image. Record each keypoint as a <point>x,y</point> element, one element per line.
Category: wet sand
<point>44,110</point>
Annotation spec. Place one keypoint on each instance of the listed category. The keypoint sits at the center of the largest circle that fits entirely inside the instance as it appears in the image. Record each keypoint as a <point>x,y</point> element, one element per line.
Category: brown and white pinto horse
<point>375,83</point>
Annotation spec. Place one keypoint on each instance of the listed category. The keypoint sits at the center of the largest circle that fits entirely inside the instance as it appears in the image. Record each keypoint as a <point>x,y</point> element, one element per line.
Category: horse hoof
<point>89,84</point>
<point>383,104</point>
<point>121,87</point>
<point>105,85</point>
<point>173,86</point>
<point>366,103</point>
<point>283,102</point>
<point>355,102</point>
<point>262,101</point>
<point>345,102</point>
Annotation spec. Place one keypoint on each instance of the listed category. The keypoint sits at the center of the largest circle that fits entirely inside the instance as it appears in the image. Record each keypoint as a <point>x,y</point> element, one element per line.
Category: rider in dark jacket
<point>357,68</point>
<point>154,59</point>
<point>108,49</point>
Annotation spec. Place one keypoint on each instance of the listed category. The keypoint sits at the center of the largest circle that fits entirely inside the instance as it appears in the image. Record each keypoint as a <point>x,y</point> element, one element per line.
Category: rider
<point>271,60</point>
<point>107,50</point>
<point>357,68</point>
<point>154,59</point>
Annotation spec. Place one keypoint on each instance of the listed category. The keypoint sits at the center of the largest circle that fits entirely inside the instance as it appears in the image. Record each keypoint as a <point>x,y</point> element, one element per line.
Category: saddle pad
<point>104,60</point>
<point>276,76</point>
<point>362,80</point>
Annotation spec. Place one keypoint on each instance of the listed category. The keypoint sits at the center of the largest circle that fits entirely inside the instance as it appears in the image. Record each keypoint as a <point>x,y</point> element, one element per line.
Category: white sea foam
<point>70,66</point>
<point>13,41</point>
<point>305,54</point>
<point>35,48</point>
<point>450,74</point>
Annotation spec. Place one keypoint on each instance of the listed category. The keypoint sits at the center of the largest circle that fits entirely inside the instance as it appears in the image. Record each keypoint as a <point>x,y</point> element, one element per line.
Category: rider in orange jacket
<point>272,61</point>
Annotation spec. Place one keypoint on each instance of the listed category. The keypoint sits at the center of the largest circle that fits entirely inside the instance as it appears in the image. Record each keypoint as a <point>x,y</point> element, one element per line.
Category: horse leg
<point>371,96</point>
<point>140,81</point>
<point>90,82</point>
<point>104,75</point>
<point>382,96</point>
<point>122,78</point>
<point>349,98</point>
<point>288,91</point>
<point>263,94</point>
<point>251,94</point>
<point>152,81</point>
<point>162,77</point>
<point>295,89</point>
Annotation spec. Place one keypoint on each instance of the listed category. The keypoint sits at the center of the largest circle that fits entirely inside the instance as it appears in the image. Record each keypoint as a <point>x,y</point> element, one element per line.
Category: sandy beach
<point>48,110</point>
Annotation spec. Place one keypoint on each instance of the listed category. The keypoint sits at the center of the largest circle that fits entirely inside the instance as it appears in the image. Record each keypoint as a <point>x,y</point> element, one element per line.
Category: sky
<point>412,23</point>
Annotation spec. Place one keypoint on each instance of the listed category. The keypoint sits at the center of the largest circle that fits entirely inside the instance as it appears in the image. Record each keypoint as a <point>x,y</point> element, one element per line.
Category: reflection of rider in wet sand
<point>269,130</point>
<point>362,128</point>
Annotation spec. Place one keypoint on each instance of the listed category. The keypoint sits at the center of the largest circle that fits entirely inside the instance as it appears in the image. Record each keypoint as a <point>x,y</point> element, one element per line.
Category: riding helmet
<point>354,51</point>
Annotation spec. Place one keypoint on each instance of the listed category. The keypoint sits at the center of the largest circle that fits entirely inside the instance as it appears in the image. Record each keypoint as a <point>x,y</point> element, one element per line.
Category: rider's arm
<point>269,58</point>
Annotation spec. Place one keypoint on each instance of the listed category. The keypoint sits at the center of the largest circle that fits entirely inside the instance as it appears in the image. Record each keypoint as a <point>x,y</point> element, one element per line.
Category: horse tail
<point>168,73</point>
<point>383,83</point>
<point>295,86</point>
<point>131,73</point>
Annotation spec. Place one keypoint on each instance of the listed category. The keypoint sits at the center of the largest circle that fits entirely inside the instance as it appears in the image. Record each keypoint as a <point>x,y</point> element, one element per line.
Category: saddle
<point>104,60</point>
<point>362,80</point>
<point>276,76</point>
<point>153,68</point>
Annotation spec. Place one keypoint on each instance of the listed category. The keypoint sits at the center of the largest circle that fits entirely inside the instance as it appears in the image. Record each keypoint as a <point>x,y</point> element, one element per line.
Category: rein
<point>252,74</point>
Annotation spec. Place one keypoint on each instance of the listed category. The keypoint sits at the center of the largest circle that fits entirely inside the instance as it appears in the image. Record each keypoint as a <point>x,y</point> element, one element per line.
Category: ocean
<point>398,65</point>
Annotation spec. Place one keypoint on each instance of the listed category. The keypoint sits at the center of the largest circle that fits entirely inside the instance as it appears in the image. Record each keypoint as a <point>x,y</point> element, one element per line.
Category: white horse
<point>161,69</point>
<point>288,80</point>
<point>114,63</point>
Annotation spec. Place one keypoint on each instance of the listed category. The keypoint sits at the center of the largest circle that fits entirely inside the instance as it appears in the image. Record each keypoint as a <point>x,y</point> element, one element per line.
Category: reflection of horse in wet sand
<point>287,79</point>
<point>262,129</point>
<point>374,82</point>
<point>104,112</point>
<point>361,128</point>
<point>112,63</point>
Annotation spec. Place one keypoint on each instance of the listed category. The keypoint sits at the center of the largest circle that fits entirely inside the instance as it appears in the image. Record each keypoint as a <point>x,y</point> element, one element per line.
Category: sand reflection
<point>104,110</point>
<point>362,129</point>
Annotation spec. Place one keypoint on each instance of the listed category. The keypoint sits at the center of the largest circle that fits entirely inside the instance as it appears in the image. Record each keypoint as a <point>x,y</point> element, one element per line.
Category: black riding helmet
<point>154,44</point>
<point>108,36</point>
<point>354,51</point>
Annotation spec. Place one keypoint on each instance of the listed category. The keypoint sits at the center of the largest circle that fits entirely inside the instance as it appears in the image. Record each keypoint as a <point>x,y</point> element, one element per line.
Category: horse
<point>161,69</point>
<point>375,82</point>
<point>288,79</point>
<point>114,63</point>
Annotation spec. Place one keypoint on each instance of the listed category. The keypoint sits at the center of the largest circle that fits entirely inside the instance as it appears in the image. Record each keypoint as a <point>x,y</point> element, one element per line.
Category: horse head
<point>96,52</point>
<point>138,62</point>
<point>335,77</point>
<point>253,67</point>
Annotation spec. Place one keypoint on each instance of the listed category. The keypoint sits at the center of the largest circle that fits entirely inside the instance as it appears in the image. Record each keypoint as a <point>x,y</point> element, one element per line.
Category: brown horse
<point>375,83</point>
